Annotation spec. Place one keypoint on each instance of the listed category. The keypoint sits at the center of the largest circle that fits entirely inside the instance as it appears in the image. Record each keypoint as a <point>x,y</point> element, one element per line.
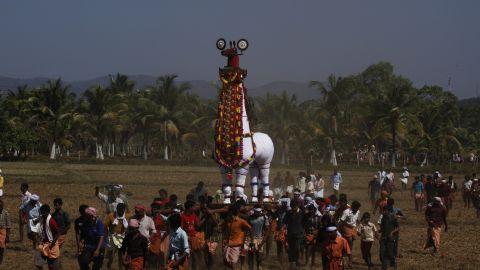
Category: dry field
<point>75,184</point>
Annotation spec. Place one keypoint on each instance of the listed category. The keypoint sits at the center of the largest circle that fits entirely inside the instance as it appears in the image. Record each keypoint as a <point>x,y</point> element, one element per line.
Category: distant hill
<point>301,90</point>
<point>7,83</point>
<point>469,102</point>
<point>203,89</point>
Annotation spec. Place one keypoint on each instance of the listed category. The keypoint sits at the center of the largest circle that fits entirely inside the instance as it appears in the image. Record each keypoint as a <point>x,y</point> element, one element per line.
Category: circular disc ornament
<point>221,43</point>
<point>242,44</point>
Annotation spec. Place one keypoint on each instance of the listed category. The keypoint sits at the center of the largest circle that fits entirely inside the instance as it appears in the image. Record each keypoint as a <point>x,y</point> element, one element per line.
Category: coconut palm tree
<point>393,105</point>
<point>54,107</point>
<point>146,115</point>
<point>169,95</point>
<point>197,123</point>
<point>334,96</point>
<point>440,116</point>
<point>101,111</point>
<point>122,90</point>
<point>18,104</point>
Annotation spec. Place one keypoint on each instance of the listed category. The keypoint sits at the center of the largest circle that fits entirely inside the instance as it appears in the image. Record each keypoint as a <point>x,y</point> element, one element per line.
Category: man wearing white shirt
<point>147,226</point>
<point>319,185</point>
<point>112,199</point>
<point>348,222</point>
<point>179,249</point>
<point>404,179</point>
<point>381,176</point>
<point>33,213</point>
<point>301,182</point>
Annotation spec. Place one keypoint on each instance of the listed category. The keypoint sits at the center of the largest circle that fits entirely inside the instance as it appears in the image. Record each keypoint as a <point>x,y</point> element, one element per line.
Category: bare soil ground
<point>75,184</point>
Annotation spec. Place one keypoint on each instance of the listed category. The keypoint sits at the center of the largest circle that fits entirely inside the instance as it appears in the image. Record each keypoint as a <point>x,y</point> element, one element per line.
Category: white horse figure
<point>256,148</point>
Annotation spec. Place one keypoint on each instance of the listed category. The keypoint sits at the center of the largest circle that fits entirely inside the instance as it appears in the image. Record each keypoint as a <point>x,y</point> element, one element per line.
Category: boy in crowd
<point>62,220</point>
<point>179,249</point>
<point>79,224</point>
<point>367,232</point>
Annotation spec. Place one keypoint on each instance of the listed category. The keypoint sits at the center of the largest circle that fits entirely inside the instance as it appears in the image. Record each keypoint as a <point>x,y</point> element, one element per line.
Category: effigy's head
<point>232,53</point>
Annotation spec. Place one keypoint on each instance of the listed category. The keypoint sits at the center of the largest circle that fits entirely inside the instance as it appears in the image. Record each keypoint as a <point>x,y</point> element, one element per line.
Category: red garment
<point>443,190</point>
<point>334,252</point>
<point>189,223</point>
<point>436,214</point>
<point>53,228</point>
<point>160,224</point>
<point>136,264</point>
<point>381,203</point>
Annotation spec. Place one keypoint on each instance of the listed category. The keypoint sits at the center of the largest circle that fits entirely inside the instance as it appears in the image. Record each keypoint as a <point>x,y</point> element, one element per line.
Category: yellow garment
<point>1,181</point>
<point>49,252</point>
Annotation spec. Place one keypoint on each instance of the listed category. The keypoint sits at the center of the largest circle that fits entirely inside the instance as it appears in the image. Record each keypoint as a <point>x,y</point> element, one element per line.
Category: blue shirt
<point>418,187</point>
<point>337,178</point>
<point>34,211</point>
<point>178,244</point>
<point>92,234</point>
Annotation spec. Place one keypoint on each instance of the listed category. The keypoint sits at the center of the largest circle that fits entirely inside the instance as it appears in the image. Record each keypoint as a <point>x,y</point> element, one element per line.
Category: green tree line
<point>374,113</point>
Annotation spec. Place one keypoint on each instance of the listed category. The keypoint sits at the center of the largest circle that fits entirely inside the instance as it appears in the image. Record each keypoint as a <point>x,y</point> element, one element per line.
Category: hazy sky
<point>427,41</point>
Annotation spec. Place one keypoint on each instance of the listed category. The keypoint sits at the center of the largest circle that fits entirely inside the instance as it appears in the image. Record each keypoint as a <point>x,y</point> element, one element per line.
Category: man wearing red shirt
<point>190,224</point>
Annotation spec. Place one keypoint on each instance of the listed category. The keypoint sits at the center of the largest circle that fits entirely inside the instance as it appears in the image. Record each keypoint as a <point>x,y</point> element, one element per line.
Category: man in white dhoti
<point>319,186</point>
<point>336,179</point>
<point>404,179</point>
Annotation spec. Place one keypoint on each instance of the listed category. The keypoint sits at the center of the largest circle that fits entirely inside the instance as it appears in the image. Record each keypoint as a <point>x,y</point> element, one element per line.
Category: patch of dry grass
<point>75,184</point>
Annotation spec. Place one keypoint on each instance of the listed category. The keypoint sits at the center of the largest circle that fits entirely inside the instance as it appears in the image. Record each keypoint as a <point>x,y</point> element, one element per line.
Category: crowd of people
<point>306,228</point>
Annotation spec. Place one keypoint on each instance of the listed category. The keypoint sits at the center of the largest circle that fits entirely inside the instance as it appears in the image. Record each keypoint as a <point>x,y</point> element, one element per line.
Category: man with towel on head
<point>33,213</point>
<point>334,248</point>
<point>436,216</point>
<point>260,225</point>
<point>114,196</point>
